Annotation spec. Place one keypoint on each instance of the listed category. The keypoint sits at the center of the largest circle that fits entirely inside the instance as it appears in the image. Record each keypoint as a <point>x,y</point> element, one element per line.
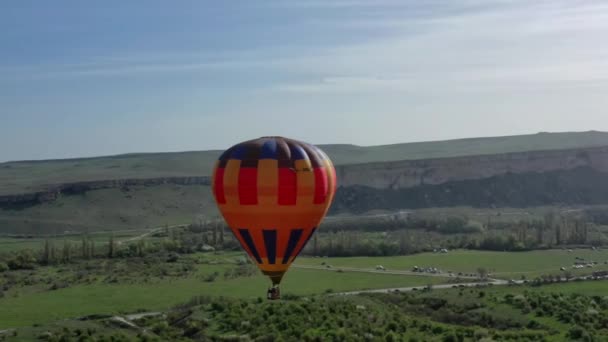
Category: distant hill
<point>29,176</point>
<point>135,191</point>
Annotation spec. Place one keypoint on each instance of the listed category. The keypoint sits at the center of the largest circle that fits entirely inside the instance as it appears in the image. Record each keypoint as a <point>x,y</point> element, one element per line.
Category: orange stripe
<point>268,181</point>
<point>231,182</point>
<point>265,266</point>
<point>258,241</point>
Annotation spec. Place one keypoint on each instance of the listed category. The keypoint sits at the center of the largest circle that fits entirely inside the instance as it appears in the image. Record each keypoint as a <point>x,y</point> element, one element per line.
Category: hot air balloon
<point>273,193</point>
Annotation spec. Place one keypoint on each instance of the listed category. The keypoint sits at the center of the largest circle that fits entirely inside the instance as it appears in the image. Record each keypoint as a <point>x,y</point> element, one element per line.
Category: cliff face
<point>413,173</point>
<point>578,186</point>
<point>411,183</point>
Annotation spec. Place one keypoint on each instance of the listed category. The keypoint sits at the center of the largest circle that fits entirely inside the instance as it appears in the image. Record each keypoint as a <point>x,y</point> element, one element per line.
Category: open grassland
<point>28,305</point>
<point>28,176</point>
<point>122,287</point>
<point>504,265</point>
<point>587,288</point>
<point>10,244</point>
<point>473,314</point>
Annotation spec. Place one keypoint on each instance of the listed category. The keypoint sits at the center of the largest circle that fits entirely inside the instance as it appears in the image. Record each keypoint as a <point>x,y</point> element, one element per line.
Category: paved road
<point>496,282</point>
<point>373,270</point>
<point>137,316</point>
<point>413,288</point>
<point>150,232</point>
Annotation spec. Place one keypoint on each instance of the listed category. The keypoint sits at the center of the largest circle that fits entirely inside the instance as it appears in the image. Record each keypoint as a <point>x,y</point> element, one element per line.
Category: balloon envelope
<point>273,193</point>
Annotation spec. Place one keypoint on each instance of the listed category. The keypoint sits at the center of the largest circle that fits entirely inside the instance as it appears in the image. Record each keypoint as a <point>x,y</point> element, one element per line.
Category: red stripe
<point>288,186</point>
<point>218,187</point>
<point>248,185</point>
<point>321,185</point>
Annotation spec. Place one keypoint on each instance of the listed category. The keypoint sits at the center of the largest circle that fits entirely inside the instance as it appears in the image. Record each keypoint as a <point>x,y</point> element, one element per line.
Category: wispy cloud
<point>476,66</point>
<point>471,44</point>
<point>523,45</point>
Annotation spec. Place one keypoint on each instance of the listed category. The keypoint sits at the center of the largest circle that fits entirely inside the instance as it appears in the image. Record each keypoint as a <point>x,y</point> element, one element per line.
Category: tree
<point>539,234</point>
<point>111,247</point>
<point>24,259</point>
<point>141,247</point>
<point>46,255</point>
<point>84,248</point>
<point>53,254</point>
<point>550,219</point>
<point>221,234</point>
<point>482,272</point>
<point>404,243</point>
<point>66,252</point>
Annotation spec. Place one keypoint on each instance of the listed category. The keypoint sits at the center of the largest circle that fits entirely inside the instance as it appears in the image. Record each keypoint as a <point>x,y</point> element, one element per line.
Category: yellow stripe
<point>306,182</point>
<point>231,182</point>
<point>268,181</point>
<point>331,180</point>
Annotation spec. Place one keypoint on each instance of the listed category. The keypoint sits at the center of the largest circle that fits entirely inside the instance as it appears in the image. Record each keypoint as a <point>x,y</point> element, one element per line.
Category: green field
<point>504,265</point>
<point>587,288</point>
<point>9,244</point>
<point>547,313</point>
<point>28,176</point>
<point>28,306</point>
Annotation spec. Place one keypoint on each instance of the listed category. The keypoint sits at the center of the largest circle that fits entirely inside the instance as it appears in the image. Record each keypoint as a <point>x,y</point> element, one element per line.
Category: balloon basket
<point>274,293</point>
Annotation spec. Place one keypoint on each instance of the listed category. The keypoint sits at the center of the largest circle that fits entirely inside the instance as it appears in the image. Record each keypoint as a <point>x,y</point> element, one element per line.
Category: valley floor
<point>118,286</point>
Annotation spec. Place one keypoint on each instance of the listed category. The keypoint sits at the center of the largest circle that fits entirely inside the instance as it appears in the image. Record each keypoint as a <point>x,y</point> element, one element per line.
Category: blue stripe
<point>294,238</point>
<point>269,150</point>
<point>306,242</point>
<point>249,242</point>
<point>270,241</point>
<point>297,152</point>
<point>239,152</point>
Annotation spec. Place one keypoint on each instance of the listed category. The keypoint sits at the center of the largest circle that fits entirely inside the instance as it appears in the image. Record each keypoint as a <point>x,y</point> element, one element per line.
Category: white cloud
<point>529,44</point>
<point>470,44</point>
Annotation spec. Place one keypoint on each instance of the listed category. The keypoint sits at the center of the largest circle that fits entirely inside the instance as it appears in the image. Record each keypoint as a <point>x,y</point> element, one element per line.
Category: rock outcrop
<point>413,173</point>
<point>413,181</point>
<point>55,190</point>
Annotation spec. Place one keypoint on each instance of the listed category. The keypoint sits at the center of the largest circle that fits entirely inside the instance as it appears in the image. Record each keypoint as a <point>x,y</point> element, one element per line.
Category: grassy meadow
<point>29,305</point>
<point>504,265</point>
<point>513,313</point>
<point>124,286</point>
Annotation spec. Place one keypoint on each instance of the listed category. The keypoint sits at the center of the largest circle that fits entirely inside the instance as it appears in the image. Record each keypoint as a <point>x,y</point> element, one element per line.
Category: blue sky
<point>95,78</point>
